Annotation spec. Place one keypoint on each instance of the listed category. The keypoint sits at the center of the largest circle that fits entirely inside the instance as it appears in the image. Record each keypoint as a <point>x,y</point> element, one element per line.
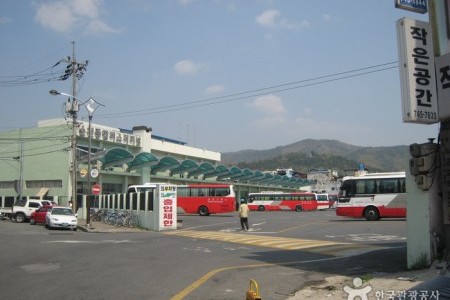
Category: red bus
<point>282,201</point>
<point>203,199</point>
<point>206,199</point>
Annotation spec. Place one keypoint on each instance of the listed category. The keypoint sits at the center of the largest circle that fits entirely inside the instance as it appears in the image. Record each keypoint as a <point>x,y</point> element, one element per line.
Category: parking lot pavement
<point>96,227</point>
<point>383,285</point>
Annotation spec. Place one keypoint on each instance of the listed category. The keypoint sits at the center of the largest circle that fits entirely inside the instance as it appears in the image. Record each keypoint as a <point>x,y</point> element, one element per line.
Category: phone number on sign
<point>426,115</point>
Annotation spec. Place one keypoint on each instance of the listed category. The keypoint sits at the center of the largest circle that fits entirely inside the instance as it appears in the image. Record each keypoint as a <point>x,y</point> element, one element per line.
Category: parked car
<point>22,209</point>
<point>61,217</point>
<point>48,202</point>
<point>38,216</point>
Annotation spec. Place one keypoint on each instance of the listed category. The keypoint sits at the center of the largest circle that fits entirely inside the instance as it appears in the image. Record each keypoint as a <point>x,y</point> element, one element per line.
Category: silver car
<point>61,217</point>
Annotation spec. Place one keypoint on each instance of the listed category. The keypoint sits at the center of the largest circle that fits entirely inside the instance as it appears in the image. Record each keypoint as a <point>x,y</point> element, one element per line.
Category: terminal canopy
<point>219,171</point>
<point>116,156</point>
<point>185,166</point>
<point>143,159</point>
<point>120,156</point>
<point>203,169</point>
<point>165,163</point>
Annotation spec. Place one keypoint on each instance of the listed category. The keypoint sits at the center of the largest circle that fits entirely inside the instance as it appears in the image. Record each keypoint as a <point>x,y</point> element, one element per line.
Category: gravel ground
<point>376,286</point>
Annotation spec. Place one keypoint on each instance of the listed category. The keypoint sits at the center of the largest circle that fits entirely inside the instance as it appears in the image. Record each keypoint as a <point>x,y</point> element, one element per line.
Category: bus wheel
<point>261,208</point>
<point>203,211</point>
<point>298,208</point>
<point>371,214</point>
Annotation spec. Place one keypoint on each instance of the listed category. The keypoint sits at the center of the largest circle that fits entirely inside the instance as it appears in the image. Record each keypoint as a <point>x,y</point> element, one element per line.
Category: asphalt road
<point>208,258</point>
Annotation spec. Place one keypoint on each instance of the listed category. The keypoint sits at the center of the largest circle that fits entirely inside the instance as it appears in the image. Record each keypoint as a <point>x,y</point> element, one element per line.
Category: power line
<point>258,92</point>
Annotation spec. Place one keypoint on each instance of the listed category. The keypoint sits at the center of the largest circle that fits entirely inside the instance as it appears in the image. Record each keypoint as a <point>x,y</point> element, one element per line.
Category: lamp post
<point>91,105</point>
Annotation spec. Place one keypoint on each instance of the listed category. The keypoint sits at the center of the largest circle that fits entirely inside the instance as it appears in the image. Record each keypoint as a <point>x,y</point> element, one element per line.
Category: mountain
<point>328,154</point>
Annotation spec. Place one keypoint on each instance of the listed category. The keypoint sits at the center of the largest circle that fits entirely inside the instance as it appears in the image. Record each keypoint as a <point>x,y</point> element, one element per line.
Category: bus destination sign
<point>418,6</point>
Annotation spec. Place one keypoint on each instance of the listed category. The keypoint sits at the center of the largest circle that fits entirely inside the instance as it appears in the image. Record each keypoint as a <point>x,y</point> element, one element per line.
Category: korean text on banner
<point>167,207</point>
<point>417,76</point>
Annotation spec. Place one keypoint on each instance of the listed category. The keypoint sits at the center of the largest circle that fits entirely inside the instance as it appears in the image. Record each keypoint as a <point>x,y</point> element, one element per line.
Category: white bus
<point>373,196</point>
<point>323,201</point>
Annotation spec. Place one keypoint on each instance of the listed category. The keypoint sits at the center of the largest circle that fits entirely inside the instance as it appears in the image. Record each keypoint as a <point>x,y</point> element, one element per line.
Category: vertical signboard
<point>443,86</point>
<point>167,215</point>
<point>417,76</point>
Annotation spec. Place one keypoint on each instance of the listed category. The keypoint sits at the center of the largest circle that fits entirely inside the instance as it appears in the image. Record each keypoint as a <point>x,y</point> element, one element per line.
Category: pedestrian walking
<point>243,214</point>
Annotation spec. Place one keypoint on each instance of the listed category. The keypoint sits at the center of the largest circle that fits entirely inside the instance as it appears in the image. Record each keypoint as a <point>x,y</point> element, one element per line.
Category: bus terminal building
<point>38,162</point>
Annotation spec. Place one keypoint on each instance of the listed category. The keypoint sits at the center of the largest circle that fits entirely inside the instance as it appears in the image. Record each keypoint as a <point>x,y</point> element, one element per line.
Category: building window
<point>111,188</point>
<point>6,185</point>
<point>36,184</point>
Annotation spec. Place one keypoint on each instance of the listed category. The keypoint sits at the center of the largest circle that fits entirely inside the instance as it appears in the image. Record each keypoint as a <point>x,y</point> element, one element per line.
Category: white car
<point>61,217</point>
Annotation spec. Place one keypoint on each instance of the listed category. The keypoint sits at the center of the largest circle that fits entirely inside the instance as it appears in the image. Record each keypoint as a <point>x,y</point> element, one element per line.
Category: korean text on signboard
<point>417,76</point>
<point>168,207</point>
<point>443,86</point>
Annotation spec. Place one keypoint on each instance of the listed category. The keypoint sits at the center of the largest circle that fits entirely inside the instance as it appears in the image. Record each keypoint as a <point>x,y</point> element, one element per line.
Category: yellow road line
<point>332,248</point>
<point>304,225</point>
<point>210,274</point>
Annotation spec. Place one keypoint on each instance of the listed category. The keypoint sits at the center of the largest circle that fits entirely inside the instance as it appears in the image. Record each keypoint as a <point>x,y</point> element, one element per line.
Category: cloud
<point>268,18</point>
<point>185,2</point>
<point>67,15</point>
<point>4,20</point>
<point>99,27</point>
<point>215,89</point>
<point>269,104</point>
<point>87,8</point>
<point>271,107</point>
<point>272,18</point>
<point>326,17</point>
<point>56,16</point>
<point>186,67</point>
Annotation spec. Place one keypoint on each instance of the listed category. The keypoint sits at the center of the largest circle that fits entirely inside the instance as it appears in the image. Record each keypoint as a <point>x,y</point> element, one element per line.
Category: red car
<point>38,216</point>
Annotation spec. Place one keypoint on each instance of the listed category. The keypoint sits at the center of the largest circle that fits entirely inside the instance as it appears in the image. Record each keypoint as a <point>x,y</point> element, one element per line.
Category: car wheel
<point>261,208</point>
<point>20,218</point>
<point>298,208</point>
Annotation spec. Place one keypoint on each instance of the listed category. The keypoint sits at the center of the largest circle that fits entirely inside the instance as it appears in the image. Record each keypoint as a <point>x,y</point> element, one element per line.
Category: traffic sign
<point>96,189</point>
<point>419,6</point>
<point>83,172</point>
<point>94,173</point>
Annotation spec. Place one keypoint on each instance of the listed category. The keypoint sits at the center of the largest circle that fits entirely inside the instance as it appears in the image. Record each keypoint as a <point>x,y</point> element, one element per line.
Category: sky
<point>224,75</point>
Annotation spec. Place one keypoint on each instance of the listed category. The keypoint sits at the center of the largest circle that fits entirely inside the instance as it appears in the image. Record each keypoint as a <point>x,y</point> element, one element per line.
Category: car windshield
<point>62,211</point>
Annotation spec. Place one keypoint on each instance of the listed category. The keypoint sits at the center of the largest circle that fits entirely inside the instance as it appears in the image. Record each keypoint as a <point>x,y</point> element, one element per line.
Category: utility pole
<point>19,185</point>
<point>74,69</point>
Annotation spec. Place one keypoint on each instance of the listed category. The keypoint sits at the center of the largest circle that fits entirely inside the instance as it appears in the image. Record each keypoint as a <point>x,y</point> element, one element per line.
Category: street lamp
<point>91,105</point>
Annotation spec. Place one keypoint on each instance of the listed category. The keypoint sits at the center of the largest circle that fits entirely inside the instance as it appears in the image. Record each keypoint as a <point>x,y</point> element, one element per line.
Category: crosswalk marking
<point>325,247</point>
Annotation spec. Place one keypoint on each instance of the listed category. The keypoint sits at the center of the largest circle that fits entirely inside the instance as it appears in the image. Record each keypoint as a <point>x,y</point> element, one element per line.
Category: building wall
<point>45,157</point>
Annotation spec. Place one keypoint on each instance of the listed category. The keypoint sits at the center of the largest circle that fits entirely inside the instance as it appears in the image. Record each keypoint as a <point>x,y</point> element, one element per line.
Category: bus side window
<point>370,186</point>
<point>348,188</point>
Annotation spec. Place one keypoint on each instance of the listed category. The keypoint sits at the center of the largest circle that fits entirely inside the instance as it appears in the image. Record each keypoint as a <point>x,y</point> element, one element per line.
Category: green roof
<point>116,156</point>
